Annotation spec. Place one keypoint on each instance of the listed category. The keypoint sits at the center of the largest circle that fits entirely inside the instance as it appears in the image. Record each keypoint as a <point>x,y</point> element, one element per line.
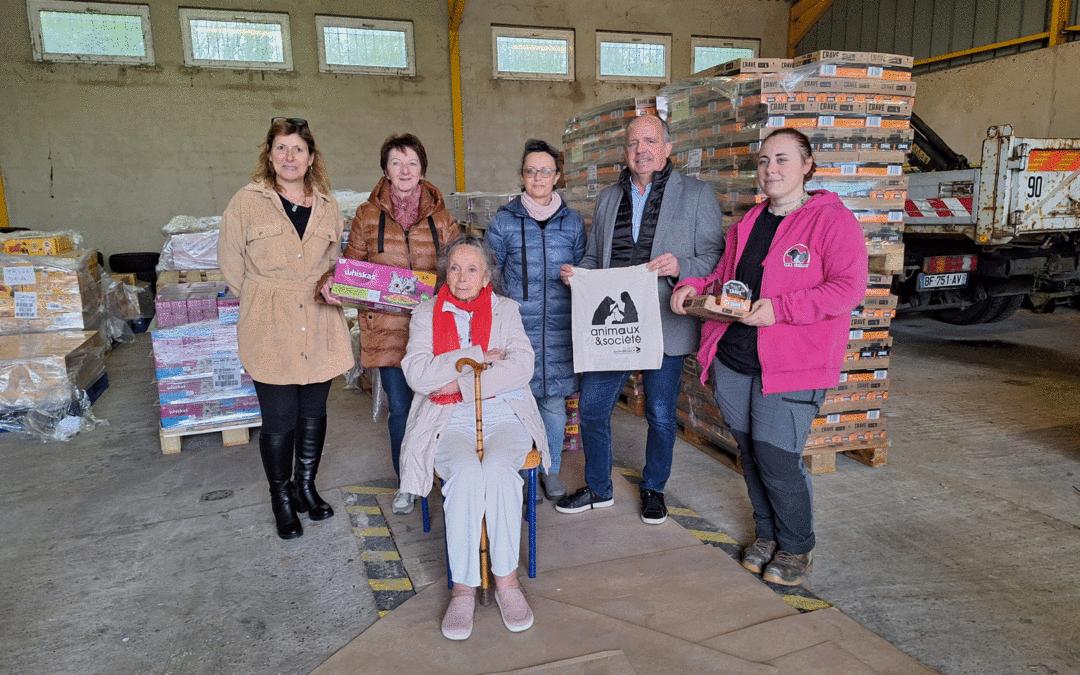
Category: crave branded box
<point>380,287</point>
<point>726,302</point>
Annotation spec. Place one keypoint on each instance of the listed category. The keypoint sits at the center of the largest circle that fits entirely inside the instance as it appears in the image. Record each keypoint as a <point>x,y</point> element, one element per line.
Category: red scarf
<point>444,329</point>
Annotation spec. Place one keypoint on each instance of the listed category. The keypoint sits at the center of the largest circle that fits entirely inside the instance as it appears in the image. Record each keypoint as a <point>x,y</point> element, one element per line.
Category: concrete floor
<point>962,551</point>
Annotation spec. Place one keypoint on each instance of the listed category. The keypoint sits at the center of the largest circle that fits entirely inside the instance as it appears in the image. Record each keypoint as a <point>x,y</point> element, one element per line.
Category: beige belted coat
<point>285,336</point>
<point>427,372</point>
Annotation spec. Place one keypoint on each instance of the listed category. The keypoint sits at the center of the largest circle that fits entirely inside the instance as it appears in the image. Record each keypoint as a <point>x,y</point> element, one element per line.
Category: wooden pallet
<point>726,454</point>
<point>817,459</point>
<point>633,403</point>
<point>169,277</point>
<point>632,398</point>
<point>231,434</point>
<point>875,456</point>
<point>888,263</point>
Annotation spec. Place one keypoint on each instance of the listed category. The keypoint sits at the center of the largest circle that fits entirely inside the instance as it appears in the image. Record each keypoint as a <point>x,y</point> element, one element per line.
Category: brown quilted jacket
<point>383,336</point>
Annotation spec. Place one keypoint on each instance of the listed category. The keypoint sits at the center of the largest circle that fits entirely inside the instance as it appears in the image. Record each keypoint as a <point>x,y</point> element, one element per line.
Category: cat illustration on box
<point>401,284</point>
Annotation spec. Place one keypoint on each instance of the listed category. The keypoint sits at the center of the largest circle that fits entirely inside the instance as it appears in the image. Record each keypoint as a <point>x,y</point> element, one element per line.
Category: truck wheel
<point>987,310</point>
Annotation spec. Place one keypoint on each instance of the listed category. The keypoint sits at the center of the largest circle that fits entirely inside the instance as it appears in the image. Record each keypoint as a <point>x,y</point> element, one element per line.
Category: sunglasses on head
<point>295,121</point>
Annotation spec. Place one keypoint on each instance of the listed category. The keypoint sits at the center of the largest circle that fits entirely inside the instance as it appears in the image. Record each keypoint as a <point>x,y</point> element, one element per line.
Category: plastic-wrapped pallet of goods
<point>474,210</point>
<point>48,381</point>
<point>855,108</point>
<point>593,150</point>
<point>202,387</point>
<point>44,293</point>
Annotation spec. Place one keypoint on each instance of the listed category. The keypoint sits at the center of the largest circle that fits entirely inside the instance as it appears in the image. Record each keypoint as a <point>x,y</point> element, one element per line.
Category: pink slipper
<point>458,621</point>
<point>516,613</point>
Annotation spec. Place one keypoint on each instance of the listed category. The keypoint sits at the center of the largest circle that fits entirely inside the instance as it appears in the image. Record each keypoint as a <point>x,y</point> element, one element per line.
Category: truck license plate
<point>931,281</point>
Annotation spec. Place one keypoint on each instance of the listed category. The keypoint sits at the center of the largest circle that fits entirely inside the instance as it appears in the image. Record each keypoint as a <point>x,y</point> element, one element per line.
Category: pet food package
<point>720,302</point>
<point>200,379</point>
<point>380,287</point>
<point>40,293</point>
<point>33,242</point>
<point>616,319</point>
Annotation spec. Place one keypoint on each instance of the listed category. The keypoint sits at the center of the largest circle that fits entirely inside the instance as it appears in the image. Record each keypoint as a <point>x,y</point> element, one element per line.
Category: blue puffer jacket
<point>530,257</point>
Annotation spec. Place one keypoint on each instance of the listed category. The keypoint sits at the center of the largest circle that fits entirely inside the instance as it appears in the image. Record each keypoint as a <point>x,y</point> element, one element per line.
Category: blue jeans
<point>399,400</point>
<point>553,412</point>
<point>599,394</point>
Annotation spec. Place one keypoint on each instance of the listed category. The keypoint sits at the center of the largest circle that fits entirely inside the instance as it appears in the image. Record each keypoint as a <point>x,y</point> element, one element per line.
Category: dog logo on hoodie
<point>797,256</point>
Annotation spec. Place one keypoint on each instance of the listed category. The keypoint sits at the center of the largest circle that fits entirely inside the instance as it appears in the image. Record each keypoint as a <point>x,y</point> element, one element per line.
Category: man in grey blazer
<point>670,222</point>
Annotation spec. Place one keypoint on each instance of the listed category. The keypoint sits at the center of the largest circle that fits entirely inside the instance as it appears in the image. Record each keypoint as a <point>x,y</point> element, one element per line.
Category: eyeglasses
<point>295,121</point>
<point>531,173</point>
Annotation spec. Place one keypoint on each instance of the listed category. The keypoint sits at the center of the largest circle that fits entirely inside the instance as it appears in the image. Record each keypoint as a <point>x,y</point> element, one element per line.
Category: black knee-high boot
<point>277,459</point>
<point>310,434</point>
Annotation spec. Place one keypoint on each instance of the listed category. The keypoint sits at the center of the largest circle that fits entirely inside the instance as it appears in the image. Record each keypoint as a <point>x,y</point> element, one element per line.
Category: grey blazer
<point>688,227</point>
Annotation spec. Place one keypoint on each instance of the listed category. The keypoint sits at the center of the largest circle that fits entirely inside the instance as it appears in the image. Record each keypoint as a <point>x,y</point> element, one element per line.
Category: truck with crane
<point>980,242</point>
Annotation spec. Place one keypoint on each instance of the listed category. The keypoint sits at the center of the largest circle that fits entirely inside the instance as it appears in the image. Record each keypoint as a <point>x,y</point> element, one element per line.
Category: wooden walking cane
<point>485,559</point>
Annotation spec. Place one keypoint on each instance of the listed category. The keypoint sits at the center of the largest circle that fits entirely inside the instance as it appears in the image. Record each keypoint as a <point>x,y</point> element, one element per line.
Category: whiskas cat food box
<point>380,287</point>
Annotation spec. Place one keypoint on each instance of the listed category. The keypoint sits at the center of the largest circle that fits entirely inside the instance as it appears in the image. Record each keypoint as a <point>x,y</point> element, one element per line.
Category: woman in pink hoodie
<point>803,256</point>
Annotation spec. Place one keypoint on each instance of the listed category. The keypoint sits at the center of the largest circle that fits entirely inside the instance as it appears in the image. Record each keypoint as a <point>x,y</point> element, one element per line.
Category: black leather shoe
<point>582,500</point>
<point>310,435</point>
<point>653,511</point>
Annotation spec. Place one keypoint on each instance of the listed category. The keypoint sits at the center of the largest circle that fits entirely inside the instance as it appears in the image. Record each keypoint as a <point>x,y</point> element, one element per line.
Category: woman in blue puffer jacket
<point>532,237</point>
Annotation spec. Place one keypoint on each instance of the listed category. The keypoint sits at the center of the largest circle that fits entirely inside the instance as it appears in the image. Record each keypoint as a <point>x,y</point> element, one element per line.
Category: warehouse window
<point>227,39</point>
<point>90,32</point>
<point>631,57</point>
<point>366,46</point>
<point>532,53</point>
<point>712,51</point>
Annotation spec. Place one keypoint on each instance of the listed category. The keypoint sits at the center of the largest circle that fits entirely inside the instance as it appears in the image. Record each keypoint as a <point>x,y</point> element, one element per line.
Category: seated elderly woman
<point>468,320</point>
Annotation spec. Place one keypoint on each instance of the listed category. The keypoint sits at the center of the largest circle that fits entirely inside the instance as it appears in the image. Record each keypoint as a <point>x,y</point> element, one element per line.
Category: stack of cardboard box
<point>42,293</point>
<point>593,150</point>
<point>855,108</point>
<point>51,307</point>
<point>199,377</point>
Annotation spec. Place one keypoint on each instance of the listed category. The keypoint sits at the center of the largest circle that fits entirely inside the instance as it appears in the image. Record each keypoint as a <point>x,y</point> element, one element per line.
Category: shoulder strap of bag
<point>434,234</point>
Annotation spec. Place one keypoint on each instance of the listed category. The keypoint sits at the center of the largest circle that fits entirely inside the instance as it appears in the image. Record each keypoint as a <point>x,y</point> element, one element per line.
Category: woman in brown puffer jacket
<point>404,224</point>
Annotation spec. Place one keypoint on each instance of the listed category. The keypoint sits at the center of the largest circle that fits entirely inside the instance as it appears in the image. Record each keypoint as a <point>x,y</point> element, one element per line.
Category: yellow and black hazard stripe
<point>386,575</point>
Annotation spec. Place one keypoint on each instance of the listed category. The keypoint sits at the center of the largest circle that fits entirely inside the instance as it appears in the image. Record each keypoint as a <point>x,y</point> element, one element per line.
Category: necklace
<point>295,205</point>
<point>782,210</point>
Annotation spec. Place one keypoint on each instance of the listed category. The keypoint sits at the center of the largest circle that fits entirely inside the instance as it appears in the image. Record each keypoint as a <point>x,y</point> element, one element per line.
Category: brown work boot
<point>757,555</point>
<point>788,569</point>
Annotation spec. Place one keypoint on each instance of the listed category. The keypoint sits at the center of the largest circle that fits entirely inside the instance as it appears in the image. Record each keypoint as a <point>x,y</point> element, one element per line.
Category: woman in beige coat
<point>466,319</point>
<point>279,235</point>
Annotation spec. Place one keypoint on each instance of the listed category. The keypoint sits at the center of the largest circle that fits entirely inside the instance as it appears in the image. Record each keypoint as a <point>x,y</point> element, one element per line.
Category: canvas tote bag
<point>616,319</point>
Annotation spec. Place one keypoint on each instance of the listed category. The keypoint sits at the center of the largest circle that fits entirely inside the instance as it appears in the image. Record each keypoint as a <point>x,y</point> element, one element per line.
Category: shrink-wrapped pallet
<point>593,153</point>
<point>44,380</point>
<point>42,293</point>
<point>199,376</point>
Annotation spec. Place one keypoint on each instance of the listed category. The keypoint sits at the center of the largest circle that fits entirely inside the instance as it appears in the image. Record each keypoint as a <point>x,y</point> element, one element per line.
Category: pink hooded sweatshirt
<point>815,274</point>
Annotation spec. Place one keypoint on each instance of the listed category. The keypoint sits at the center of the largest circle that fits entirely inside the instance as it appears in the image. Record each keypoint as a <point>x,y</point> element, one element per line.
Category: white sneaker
<point>403,503</point>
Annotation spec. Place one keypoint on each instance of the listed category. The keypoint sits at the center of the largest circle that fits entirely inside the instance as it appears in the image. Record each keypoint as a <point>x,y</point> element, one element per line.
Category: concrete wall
<point>1037,92</point>
<point>501,114</point>
<point>117,151</point>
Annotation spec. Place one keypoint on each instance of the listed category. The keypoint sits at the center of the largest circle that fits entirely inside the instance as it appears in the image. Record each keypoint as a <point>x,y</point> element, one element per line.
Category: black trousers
<point>283,404</point>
